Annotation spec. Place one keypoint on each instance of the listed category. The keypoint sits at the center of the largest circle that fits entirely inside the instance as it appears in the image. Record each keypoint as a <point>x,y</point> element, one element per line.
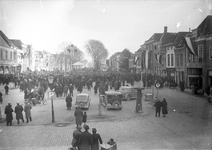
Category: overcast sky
<point>117,24</point>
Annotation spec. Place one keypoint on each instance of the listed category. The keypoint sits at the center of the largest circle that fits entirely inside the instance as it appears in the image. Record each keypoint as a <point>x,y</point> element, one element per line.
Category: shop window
<point>200,52</point>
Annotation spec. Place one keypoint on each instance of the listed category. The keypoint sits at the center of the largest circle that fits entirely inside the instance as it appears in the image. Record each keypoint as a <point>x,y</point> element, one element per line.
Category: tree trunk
<point>65,64</point>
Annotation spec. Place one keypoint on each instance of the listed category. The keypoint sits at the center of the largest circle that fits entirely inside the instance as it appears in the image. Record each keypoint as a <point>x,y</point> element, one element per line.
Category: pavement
<point>188,124</point>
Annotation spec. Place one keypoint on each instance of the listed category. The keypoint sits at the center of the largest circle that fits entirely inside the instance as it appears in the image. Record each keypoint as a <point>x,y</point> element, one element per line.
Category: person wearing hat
<point>9,114</point>
<point>71,88</point>
<point>18,110</point>
<point>27,110</point>
<point>68,102</point>
<point>76,135</point>
<point>85,140</point>
<point>96,140</point>
<point>78,116</point>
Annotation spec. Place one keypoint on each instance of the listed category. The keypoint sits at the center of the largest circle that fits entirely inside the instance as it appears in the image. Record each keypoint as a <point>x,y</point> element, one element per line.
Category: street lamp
<point>51,94</point>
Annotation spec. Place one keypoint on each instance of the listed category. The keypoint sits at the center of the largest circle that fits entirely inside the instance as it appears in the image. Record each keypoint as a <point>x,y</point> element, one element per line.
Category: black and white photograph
<point>105,74</point>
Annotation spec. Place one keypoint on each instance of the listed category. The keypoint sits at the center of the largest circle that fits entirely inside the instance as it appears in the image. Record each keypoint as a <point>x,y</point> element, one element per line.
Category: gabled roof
<point>167,38</point>
<point>6,39</point>
<point>205,27</point>
<point>155,37</point>
<point>17,43</point>
<point>179,39</point>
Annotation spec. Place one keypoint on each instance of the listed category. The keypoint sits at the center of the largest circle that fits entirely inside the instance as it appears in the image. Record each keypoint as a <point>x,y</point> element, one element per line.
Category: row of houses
<point>182,56</point>
<point>17,57</point>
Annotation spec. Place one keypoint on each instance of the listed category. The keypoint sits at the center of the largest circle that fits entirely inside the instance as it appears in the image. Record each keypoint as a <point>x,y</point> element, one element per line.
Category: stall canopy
<point>78,64</point>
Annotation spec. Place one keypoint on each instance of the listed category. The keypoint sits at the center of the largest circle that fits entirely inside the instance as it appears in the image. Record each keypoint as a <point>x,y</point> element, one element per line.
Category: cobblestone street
<point>187,125</point>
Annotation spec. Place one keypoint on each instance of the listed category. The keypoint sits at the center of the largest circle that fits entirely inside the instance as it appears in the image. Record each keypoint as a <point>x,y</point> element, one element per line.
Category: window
<point>210,52</point>
<point>14,56</point>
<point>168,59</point>
<point>181,59</point>
<point>172,59</point>
<point>1,53</point>
<point>200,52</point>
<point>6,55</point>
<point>158,47</point>
<point>11,56</point>
<point>177,60</point>
<point>155,47</point>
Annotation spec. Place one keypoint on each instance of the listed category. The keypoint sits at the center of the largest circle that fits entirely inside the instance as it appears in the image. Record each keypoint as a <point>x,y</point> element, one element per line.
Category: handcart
<point>110,145</point>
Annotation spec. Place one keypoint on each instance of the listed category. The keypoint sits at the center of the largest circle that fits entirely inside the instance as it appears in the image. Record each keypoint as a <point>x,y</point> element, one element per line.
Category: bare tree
<point>97,51</point>
<point>68,54</point>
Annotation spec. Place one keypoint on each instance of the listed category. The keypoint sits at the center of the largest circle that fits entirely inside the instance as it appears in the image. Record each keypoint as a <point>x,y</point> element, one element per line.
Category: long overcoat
<point>78,115</point>
<point>68,101</point>
<point>9,113</point>
<point>1,99</point>
<point>96,140</point>
<point>158,105</point>
<point>27,110</point>
<point>164,107</point>
<point>18,111</point>
<point>85,140</point>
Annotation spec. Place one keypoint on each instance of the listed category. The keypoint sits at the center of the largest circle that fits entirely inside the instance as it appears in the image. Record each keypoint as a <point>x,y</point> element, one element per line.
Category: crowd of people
<point>63,85</point>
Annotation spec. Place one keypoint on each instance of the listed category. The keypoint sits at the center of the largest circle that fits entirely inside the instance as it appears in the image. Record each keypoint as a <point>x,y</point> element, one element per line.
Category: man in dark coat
<point>71,88</point>
<point>157,106</point>
<point>9,116</point>
<point>78,115</point>
<point>1,99</point>
<point>18,110</point>
<point>164,107</point>
<point>68,102</point>
<point>96,140</point>
<point>6,89</point>
<point>85,139</point>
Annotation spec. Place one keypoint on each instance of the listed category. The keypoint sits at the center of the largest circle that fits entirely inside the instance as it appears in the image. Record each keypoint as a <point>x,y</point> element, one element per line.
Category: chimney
<point>165,29</point>
<point>189,30</point>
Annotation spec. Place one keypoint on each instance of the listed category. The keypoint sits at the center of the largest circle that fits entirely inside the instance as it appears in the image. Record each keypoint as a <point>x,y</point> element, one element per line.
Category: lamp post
<point>51,94</point>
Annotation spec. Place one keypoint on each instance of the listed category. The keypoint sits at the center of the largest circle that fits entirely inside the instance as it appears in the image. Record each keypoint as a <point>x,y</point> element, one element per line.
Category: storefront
<point>195,77</point>
<point>1,70</point>
<point>6,70</point>
<point>210,77</point>
<point>170,74</point>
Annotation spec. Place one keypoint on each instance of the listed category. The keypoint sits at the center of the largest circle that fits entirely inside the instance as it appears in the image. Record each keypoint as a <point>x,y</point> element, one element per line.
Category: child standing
<point>84,118</point>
